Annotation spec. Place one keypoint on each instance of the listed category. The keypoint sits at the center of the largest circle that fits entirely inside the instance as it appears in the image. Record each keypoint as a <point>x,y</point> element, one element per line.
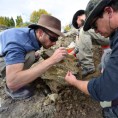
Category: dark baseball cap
<point>93,10</point>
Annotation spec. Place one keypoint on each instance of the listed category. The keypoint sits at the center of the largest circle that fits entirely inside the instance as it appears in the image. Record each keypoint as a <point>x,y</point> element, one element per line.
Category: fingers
<point>62,51</point>
<point>69,73</point>
<point>70,78</point>
<point>59,55</point>
<point>62,48</point>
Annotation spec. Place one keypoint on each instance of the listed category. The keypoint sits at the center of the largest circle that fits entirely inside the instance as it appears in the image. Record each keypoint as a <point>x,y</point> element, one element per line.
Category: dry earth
<point>70,103</point>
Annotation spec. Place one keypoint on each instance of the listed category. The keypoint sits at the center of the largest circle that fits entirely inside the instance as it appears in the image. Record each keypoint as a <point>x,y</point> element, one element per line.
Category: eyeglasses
<point>52,39</point>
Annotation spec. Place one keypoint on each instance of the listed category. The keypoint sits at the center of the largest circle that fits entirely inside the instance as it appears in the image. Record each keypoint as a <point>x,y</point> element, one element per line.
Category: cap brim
<point>74,21</point>
<point>94,13</point>
<point>35,26</point>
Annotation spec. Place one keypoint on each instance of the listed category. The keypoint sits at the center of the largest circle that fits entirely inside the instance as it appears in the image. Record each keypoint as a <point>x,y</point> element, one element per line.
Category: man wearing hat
<point>18,46</point>
<point>85,43</point>
<point>102,16</point>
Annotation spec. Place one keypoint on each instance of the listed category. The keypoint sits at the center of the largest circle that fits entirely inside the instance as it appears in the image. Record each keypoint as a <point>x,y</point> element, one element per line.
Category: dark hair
<point>114,5</point>
<point>74,20</point>
<point>80,12</point>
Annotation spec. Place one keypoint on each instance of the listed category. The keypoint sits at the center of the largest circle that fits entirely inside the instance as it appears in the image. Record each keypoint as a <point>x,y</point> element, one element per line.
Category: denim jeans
<point>110,112</point>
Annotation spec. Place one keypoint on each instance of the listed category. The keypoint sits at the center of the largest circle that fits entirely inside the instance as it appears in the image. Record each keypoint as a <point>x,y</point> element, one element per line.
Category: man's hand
<point>59,55</point>
<point>81,85</point>
<point>70,78</point>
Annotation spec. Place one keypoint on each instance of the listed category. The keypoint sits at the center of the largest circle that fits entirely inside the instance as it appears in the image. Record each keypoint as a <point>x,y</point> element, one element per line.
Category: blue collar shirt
<point>15,43</point>
<point>105,87</point>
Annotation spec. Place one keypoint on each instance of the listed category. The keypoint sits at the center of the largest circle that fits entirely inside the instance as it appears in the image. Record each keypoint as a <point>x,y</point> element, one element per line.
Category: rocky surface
<point>64,102</point>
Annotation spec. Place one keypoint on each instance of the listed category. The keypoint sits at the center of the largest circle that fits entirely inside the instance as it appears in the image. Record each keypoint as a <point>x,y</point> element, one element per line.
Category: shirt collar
<point>33,36</point>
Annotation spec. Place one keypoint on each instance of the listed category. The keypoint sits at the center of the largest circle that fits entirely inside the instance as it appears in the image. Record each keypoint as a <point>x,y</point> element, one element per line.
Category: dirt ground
<point>70,103</point>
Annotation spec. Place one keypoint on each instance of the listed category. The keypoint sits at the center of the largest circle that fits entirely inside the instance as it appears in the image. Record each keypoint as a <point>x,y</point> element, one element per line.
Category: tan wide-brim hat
<point>93,9</point>
<point>48,22</point>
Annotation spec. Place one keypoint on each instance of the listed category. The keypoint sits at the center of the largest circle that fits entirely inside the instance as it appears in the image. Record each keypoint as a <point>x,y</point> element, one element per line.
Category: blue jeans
<point>111,112</point>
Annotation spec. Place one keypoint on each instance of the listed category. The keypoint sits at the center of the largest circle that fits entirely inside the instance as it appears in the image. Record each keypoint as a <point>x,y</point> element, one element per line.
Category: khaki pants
<point>85,44</point>
<point>29,61</point>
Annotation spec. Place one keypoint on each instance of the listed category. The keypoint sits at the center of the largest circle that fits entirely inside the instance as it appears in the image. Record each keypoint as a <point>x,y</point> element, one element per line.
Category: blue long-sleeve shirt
<point>105,87</point>
<point>16,42</point>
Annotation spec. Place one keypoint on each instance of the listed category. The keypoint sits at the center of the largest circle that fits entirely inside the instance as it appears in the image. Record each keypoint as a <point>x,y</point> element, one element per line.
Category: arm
<point>81,85</point>
<point>103,88</point>
<point>17,77</point>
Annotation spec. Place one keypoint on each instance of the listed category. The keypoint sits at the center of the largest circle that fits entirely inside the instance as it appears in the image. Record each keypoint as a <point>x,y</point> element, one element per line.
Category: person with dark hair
<point>85,42</point>
<point>102,16</point>
<point>79,19</point>
<point>17,54</point>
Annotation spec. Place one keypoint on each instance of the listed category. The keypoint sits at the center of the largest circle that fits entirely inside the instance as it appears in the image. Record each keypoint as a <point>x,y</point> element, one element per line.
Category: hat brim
<point>94,13</point>
<point>74,20</point>
<point>35,26</point>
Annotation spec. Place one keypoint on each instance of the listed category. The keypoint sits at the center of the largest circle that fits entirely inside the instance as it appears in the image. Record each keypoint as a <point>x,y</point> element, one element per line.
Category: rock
<point>53,97</point>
